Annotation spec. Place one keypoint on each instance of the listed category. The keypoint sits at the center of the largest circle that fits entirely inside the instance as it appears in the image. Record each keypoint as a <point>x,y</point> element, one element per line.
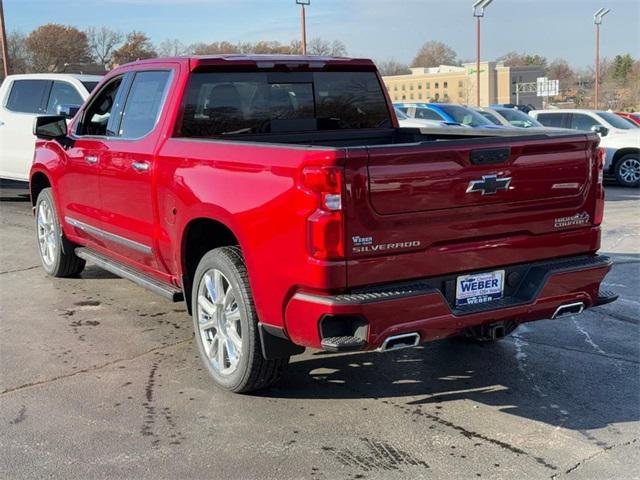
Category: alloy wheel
<point>47,239</point>
<point>630,170</point>
<point>219,324</point>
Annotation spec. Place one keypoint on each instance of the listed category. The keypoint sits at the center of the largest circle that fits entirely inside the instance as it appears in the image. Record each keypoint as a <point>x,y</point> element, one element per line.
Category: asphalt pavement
<point>100,378</point>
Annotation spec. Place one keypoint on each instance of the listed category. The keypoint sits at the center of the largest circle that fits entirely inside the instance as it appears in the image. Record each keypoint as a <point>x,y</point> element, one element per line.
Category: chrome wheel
<point>219,323</point>
<point>47,238</point>
<point>629,170</point>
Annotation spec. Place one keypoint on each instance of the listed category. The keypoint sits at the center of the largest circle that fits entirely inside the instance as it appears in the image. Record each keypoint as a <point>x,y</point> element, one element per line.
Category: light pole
<point>478,12</point>
<point>3,39</point>
<point>303,20</point>
<point>597,20</point>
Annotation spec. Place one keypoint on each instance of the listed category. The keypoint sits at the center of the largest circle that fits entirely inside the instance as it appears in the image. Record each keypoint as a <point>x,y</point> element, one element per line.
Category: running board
<point>124,271</point>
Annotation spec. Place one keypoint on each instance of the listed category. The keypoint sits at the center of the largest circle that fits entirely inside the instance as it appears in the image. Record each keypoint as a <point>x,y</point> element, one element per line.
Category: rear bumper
<point>422,306</point>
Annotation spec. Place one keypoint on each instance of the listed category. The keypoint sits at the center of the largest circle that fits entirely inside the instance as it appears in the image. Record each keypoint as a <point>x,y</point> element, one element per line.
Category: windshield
<point>615,121</point>
<point>518,119</point>
<point>235,103</point>
<point>489,116</point>
<point>465,116</point>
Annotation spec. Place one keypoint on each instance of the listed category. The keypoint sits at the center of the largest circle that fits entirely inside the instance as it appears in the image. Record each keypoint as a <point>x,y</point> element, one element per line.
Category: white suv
<point>619,137</point>
<point>24,97</point>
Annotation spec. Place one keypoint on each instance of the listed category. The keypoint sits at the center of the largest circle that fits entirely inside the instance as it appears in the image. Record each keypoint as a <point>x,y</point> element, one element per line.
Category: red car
<point>278,198</point>
<point>632,117</point>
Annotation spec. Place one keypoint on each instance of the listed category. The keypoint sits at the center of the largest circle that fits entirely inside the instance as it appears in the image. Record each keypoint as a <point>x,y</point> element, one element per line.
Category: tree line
<point>50,47</point>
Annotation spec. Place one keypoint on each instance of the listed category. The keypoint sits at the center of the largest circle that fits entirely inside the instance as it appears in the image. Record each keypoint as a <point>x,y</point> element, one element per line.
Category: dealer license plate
<point>479,288</point>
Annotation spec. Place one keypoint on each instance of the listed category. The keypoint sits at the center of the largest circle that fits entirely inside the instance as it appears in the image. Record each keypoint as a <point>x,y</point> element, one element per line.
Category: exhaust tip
<point>568,309</point>
<point>398,342</point>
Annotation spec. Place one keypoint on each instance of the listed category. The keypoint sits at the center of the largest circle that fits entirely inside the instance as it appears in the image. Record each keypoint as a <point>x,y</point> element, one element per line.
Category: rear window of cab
<point>236,103</point>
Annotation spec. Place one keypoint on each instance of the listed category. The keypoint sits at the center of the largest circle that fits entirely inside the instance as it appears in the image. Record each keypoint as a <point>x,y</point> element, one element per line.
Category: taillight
<point>325,224</point>
<point>599,210</point>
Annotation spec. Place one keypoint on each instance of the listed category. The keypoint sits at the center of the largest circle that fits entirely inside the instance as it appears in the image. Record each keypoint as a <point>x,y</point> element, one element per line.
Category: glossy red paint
<point>396,194</point>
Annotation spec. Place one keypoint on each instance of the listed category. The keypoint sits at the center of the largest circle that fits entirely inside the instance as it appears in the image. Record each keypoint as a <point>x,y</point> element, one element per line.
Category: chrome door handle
<point>92,159</point>
<point>140,166</point>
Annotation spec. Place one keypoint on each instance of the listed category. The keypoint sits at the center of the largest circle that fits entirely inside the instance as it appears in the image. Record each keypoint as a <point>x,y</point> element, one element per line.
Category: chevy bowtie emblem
<point>489,184</point>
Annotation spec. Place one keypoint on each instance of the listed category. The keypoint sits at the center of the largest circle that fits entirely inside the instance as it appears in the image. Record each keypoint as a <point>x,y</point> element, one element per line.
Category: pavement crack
<point>19,269</point>
<point>597,454</point>
<point>570,349</point>
<point>91,369</point>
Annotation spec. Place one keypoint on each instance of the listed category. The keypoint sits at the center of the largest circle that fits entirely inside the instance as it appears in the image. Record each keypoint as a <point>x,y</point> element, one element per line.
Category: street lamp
<point>302,4</point>
<point>597,20</point>
<point>478,12</point>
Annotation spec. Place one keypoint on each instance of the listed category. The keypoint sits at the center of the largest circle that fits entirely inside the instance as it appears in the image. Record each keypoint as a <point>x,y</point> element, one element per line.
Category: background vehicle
<point>24,97</point>
<point>509,117</point>
<point>447,112</point>
<point>620,140</point>
<point>277,196</point>
<point>522,108</point>
<point>632,117</point>
<point>407,122</point>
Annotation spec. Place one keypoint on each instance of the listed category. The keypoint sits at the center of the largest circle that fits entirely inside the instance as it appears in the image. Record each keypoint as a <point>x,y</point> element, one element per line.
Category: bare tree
<point>137,47</point>
<point>102,43</point>
<point>172,48</point>
<point>515,59</point>
<point>433,54</point>
<point>393,67</point>
<point>560,69</point>
<point>318,46</point>
<point>19,55</point>
<point>52,46</point>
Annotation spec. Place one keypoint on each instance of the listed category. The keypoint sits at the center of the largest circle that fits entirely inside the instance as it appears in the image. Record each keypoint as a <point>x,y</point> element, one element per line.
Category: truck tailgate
<point>463,205</point>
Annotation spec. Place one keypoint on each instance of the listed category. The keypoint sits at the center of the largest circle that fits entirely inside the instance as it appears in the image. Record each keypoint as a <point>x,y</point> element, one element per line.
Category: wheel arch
<point>622,152</point>
<point>200,235</point>
<point>38,182</point>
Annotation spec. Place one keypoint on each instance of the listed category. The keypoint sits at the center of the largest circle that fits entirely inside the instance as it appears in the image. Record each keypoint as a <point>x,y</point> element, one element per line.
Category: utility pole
<point>597,20</point>
<point>3,39</point>
<point>478,12</point>
<point>303,22</point>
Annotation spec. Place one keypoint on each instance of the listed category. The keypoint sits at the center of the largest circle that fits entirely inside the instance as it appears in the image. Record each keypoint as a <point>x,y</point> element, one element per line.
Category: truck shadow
<point>555,387</point>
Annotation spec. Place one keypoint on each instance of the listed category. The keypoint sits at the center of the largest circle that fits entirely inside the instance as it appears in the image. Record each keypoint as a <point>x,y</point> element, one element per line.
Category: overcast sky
<point>379,29</point>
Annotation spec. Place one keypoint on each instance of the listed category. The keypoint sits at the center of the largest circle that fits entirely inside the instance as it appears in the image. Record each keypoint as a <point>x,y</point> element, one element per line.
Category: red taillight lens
<point>325,224</point>
<point>599,210</point>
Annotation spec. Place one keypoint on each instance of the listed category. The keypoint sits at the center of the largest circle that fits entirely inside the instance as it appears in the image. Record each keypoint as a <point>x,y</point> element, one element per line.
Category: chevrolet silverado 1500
<point>277,197</point>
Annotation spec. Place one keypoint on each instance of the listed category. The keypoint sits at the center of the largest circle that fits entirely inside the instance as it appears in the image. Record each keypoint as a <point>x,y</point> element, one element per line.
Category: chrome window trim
<point>109,236</point>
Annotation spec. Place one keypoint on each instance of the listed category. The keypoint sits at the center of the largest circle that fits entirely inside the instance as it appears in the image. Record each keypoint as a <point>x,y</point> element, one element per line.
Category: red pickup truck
<point>277,196</point>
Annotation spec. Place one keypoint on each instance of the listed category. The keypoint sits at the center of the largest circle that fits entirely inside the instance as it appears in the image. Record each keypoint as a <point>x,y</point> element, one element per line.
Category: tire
<point>57,256</point>
<point>627,170</point>
<point>226,326</point>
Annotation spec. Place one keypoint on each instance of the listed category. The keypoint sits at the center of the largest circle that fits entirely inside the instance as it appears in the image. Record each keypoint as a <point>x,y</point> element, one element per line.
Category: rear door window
<point>552,119</point>
<point>582,122</point>
<point>143,103</point>
<point>28,96</point>
<point>220,104</point>
<point>62,93</point>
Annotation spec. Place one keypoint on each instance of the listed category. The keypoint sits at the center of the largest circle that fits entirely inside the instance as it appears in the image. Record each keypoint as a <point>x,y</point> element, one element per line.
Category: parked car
<point>407,122</point>
<point>278,198</point>
<point>620,140</point>
<point>24,97</point>
<point>451,113</point>
<point>523,108</point>
<point>632,117</point>
<point>509,117</point>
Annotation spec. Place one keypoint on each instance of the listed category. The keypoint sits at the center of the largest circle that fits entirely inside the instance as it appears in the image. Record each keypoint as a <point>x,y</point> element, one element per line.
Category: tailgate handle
<point>490,156</point>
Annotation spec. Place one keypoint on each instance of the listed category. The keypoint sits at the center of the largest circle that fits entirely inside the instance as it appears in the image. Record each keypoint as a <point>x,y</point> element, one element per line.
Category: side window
<point>427,114</point>
<point>582,122</point>
<point>551,119</point>
<point>96,117</point>
<point>28,96</point>
<point>62,93</point>
<point>143,103</point>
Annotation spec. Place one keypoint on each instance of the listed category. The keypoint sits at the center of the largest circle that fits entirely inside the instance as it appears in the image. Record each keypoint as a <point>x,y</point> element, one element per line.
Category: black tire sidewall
<point>219,259</point>
<point>46,196</point>
<point>619,179</point>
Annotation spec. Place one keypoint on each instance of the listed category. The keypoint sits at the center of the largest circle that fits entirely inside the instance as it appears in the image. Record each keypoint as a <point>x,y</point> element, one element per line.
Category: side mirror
<point>68,111</point>
<point>600,130</point>
<point>50,127</point>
